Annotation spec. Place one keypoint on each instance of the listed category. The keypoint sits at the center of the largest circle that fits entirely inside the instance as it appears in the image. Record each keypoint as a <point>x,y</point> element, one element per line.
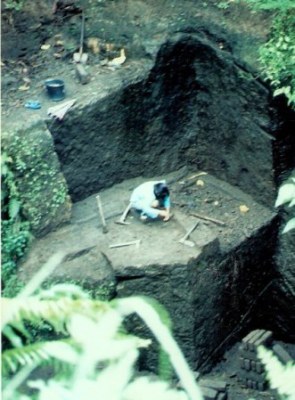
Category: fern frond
<point>281,377</point>
<point>34,354</point>
<point>55,312</point>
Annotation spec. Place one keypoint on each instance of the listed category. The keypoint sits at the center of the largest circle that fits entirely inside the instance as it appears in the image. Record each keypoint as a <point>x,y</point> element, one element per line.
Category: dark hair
<point>161,190</point>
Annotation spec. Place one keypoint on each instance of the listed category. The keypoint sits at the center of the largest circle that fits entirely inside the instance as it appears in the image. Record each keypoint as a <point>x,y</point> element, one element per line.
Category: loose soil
<point>39,42</point>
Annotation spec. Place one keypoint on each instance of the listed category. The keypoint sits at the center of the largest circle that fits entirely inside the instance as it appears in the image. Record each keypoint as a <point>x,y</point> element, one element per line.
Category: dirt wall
<point>213,300</point>
<point>195,107</point>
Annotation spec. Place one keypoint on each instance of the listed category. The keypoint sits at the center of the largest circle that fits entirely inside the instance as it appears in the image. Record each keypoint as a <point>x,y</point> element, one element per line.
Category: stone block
<point>216,384</point>
<point>249,339</point>
<point>209,393</point>
<point>254,339</point>
<point>259,367</point>
<point>265,339</point>
<point>222,396</point>
<point>282,354</point>
<point>247,364</point>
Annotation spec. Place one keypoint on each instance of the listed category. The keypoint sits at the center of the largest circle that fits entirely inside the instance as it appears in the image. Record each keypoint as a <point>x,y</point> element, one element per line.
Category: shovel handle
<point>82,33</point>
<point>125,213</point>
<point>104,225</point>
<point>191,230</point>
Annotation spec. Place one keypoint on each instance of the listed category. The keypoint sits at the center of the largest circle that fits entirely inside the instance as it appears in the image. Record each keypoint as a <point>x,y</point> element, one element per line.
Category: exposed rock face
<point>42,188</point>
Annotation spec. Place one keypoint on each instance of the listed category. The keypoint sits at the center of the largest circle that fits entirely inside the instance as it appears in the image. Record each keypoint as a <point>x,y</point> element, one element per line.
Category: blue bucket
<point>55,89</point>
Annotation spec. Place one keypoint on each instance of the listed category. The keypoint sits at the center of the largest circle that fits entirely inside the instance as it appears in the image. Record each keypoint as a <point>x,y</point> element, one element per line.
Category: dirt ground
<point>39,42</point>
<point>236,214</point>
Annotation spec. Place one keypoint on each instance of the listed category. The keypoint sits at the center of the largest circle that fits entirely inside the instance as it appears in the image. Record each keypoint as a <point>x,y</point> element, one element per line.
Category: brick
<point>222,396</point>
<point>259,367</point>
<point>248,338</point>
<point>218,385</point>
<point>241,362</point>
<point>265,339</point>
<point>250,355</point>
<point>281,353</point>
<point>208,393</point>
<point>247,364</point>
<point>254,385</point>
<point>252,376</point>
<point>254,339</point>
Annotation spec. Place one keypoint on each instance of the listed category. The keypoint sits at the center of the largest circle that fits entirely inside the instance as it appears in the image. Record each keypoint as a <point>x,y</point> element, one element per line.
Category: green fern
<point>55,312</point>
<point>36,354</point>
<point>95,350</point>
<point>281,377</point>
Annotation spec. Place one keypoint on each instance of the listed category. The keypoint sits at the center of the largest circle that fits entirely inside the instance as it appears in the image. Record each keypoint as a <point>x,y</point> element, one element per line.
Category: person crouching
<point>152,200</point>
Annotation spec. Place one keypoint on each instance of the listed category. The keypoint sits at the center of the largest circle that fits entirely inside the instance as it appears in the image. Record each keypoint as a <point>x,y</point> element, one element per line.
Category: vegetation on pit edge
<point>15,230</point>
<point>277,55</point>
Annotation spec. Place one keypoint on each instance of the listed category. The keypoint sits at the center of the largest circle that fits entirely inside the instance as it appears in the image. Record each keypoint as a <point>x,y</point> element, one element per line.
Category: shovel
<point>81,57</point>
<point>184,240</point>
<point>122,220</point>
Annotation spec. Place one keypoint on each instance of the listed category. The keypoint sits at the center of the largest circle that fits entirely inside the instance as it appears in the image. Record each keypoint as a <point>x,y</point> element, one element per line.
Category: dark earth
<point>38,43</point>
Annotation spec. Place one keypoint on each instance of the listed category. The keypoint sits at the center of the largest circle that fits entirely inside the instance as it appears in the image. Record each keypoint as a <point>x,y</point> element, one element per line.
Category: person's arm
<point>167,206</point>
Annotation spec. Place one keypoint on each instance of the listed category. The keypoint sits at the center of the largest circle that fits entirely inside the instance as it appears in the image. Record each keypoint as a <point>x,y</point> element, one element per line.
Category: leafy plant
<point>16,5</point>
<point>15,231</point>
<point>277,56</point>
<point>287,195</point>
<point>93,345</point>
<point>281,377</point>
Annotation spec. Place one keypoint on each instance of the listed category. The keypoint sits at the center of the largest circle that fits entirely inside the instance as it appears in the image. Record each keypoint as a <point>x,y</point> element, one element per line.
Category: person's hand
<point>166,218</point>
<point>165,214</point>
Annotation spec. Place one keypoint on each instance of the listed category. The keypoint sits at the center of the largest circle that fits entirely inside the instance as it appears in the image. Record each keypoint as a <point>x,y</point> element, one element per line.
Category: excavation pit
<point>205,288</point>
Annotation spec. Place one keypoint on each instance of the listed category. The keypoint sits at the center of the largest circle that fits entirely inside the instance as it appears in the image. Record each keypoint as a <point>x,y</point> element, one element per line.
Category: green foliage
<point>223,5</point>
<point>277,56</point>
<point>15,231</point>
<point>281,377</point>
<point>281,5</point>
<point>38,181</point>
<point>286,195</point>
<point>36,353</point>
<point>15,5</point>
<point>95,350</point>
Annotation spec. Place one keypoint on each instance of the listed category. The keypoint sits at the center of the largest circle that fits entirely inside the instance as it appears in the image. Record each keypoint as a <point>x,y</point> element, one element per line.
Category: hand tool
<point>99,205</point>
<point>136,242</point>
<point>216,221</point>
<point>122,221</point>
<point>81,57</point>
<point>184,240</point>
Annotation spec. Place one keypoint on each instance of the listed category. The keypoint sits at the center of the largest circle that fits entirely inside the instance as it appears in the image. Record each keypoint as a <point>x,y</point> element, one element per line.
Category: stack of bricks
<point>251,372</point>
<point>213,389</point>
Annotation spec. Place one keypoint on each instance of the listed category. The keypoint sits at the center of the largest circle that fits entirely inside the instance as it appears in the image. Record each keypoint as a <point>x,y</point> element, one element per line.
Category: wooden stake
<point>216,221</point>
<point>137,242</point>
